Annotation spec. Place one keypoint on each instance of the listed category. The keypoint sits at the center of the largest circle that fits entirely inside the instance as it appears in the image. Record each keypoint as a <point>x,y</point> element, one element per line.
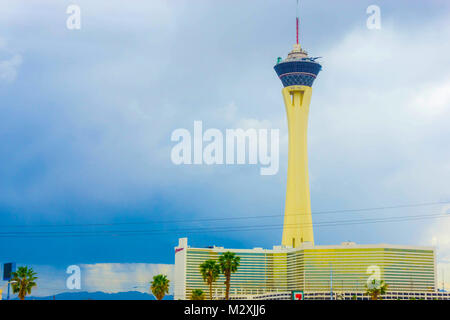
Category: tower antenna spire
<point>297,20</point>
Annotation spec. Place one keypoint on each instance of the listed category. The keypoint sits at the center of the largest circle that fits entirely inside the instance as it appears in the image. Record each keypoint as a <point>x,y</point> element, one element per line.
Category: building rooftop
<point>307,245</point>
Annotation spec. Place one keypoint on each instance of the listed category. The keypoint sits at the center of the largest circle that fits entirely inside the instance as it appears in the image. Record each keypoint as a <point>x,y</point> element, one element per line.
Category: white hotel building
<point>321,272</point>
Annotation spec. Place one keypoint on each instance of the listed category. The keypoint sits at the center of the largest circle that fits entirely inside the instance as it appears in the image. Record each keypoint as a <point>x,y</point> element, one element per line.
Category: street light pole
<point>7,284</point>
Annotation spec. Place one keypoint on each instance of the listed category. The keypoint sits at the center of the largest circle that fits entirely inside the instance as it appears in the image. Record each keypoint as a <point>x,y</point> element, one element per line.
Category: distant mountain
<point>129,295</point>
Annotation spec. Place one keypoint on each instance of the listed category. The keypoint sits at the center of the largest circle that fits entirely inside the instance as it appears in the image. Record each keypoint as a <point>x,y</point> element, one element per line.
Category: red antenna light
<point>297,20</point>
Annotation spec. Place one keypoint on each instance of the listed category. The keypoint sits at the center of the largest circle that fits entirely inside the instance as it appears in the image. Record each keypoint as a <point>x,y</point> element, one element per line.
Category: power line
<point>60,234</point>
<point>225,218</point>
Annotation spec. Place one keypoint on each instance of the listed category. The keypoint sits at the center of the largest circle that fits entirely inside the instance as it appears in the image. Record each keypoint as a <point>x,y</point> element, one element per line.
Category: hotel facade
<point>317,271</point>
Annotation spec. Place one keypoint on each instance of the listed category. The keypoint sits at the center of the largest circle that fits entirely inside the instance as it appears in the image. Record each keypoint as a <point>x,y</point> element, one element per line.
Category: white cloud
<point>382,103</point>
<point>432,100</point>
<point>119,277</point>
<point>8,68</point>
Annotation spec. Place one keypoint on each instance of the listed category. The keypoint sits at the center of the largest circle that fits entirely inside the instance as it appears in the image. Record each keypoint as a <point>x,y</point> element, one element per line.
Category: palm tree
<point>376,290</point>
<point>197,294</point>
<point>210,271</point>
<point>229,263</point>
<point>160,286</point>
<point>22,281</point>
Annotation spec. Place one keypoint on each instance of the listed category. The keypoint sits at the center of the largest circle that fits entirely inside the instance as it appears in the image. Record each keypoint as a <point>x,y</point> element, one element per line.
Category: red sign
<point>177,250</point>
<point>297,295</point>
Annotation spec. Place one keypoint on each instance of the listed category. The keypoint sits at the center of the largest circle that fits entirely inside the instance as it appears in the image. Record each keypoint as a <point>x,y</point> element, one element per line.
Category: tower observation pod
<point>297,73</point>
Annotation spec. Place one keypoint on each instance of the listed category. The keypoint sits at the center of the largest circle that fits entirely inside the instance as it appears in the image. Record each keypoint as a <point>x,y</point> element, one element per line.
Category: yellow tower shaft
<point>298,226</point>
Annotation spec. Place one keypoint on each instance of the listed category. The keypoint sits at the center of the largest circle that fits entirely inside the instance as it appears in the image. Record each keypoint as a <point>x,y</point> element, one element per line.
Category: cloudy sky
<point>86,118</point>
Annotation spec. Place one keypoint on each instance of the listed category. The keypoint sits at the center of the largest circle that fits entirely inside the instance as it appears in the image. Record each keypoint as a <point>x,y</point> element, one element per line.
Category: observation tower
<point>297,73</point>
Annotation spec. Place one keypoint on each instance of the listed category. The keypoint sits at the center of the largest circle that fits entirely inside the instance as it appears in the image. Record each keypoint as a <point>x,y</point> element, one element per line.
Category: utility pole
<point>9,284</point>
